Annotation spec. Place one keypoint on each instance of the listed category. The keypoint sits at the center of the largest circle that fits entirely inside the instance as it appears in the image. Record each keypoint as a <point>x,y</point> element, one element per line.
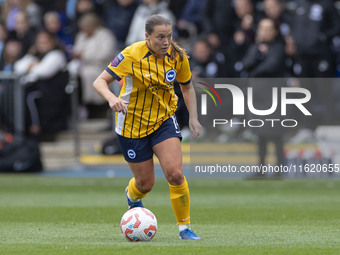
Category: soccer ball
<point>138,224</point>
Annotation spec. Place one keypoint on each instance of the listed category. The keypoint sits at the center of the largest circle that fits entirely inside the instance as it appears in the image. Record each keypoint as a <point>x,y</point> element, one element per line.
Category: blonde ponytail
<point>177,49</point>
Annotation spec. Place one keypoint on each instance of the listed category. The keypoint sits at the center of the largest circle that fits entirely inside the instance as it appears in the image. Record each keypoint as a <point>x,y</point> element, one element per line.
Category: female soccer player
<point>145,114</point>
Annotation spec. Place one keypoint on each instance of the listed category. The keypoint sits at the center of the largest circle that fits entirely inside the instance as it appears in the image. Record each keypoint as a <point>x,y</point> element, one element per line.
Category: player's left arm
<point>189,96</point>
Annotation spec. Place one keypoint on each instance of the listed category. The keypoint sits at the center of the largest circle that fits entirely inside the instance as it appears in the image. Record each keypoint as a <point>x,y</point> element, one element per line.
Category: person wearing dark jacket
<point>23,32</point>
<point>217,18</point>
<point>275,10</point>
<point>122,11</point>
<point>314,25</point>
<point>43,69</point>
<point>266,57</point>
<point>206,63</point>
<point>218,27</point>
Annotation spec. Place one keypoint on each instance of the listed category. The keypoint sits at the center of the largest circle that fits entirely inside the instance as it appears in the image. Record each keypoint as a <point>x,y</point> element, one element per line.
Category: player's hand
<point>119,105</point>
<point>195,127</point>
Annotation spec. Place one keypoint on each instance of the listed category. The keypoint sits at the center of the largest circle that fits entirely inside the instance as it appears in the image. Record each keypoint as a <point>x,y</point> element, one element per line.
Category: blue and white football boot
<point>133,204</point>
<point>188,234</point>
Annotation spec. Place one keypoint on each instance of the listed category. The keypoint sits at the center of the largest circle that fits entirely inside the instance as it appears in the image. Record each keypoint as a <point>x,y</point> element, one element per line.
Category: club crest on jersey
<point>117,60</point>
<point>170,75</point>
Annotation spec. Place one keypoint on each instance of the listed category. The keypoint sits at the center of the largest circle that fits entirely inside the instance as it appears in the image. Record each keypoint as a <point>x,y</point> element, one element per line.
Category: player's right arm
<point>101,85</point>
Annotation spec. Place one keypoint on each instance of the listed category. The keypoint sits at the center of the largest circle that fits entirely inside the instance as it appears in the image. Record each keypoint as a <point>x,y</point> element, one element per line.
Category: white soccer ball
<point>138,224</point>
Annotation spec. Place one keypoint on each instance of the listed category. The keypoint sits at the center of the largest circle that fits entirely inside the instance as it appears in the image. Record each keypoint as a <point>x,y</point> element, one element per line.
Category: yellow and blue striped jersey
<point>148,87</point>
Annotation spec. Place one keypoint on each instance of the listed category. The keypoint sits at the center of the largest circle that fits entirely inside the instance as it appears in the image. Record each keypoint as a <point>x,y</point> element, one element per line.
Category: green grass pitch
<point>48,215</point>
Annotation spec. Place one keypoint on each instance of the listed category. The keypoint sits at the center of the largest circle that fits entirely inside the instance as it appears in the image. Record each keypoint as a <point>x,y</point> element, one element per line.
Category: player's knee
<point>145,186</point>
<point>176,177</point>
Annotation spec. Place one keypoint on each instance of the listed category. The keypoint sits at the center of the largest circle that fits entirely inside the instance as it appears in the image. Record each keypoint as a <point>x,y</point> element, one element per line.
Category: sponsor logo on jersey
<point>117,60</point>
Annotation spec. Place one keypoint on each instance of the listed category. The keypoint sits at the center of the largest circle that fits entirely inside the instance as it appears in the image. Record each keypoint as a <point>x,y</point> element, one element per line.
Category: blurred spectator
<point>11,53</point>
<point>44,72</point>
<point>314,25</point>
<point>70,9</point>
<point>292,68</point>
<point>190,18</point>
<point>204,62</point>
<point>176,7</point>
<point>237,49</point>
<point>243,35</point>
<point>143,12</point>
<point>193,12</point>
<point>217,22</point>
<point>46,6</point>
<point>53,25</point>
<point>245,19</point>
<point>266,57</point>
<point>83,7</point>
<point>34,14</point>
<point>217,25</point>
<point>13,7</point>
<point>92,36</point>
<point>274,9</point>
<point>262,98</point>
<point>3,36</point>
<point>23,31</point>
<point>87,6</point>
<point>122,11</point>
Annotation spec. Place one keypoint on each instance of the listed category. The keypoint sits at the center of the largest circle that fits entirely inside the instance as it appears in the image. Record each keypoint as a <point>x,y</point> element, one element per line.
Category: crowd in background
<point>47,41</point>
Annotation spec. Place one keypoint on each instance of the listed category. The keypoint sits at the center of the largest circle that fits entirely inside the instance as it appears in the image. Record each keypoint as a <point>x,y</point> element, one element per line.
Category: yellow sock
<point>180,200</point>
<point>133,192</point>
